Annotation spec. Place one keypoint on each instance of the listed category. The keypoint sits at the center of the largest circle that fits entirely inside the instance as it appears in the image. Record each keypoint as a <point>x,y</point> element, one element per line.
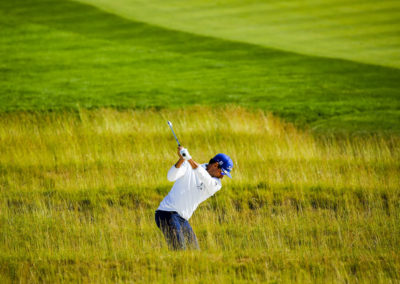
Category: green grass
<point>60,54</point>
<point>78,192</point>
<point>84,99</point>
<point>364,31</point>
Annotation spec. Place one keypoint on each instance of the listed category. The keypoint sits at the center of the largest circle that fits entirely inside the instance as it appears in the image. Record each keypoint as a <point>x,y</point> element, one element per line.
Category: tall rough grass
<point>78,192</point>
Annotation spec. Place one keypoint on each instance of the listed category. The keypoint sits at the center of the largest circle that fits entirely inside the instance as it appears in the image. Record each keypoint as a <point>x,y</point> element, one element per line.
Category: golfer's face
<point>215,171</point>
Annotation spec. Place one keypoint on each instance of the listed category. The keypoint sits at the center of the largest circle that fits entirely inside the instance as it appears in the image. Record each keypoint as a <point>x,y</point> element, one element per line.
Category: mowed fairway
<point>79,190</point>
<point>61,54</point>
<point>361,30</point>
<point>314,133</point>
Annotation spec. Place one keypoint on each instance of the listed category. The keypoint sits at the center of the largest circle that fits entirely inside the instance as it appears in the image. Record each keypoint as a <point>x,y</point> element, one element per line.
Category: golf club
<point>170,126</point>
<point>177,141</point>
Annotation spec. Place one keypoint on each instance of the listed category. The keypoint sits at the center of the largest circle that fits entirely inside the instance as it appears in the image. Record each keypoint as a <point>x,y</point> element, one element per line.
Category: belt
<point>170,212</point>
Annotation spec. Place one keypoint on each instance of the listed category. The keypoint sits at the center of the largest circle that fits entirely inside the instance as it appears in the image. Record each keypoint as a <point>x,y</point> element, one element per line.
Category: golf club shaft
<point>170,126</point>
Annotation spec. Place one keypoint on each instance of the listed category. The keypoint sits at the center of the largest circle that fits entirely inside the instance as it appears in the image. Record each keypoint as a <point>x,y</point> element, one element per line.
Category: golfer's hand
<point>179,152</point>
<point>184,153</point>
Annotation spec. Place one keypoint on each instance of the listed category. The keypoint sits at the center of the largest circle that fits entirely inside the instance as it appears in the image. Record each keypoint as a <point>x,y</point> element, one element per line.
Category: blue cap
<point>225,163</point>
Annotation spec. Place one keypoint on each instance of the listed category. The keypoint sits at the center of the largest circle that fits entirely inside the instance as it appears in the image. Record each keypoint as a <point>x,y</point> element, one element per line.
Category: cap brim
<point>226,173</point>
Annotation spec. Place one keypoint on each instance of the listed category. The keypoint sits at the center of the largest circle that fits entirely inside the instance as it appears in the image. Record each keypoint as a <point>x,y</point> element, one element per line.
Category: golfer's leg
<point>190,236</point>
<point>163,221</point>
<point>177,236</point>
<point>158,218</point>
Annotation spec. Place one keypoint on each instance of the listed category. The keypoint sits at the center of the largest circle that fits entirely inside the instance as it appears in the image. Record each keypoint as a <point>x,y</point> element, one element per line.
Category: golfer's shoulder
<point>204,166</point>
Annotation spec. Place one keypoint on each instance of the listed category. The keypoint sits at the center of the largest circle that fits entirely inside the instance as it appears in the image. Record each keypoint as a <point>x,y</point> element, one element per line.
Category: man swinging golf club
<point>194,183</point>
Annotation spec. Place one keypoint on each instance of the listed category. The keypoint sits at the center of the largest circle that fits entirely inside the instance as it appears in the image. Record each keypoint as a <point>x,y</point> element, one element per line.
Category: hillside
<point>63,55</point>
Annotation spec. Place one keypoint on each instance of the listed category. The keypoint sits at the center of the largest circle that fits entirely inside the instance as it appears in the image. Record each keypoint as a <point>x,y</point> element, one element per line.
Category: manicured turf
<point>60,54</point>
<point>361,30</point>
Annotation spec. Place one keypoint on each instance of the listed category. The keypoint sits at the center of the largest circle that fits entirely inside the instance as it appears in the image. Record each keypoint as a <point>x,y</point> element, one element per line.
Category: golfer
<point>194,183</point>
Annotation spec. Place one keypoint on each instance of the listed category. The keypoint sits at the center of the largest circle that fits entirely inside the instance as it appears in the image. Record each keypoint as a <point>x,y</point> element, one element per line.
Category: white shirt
<point>191,187</point>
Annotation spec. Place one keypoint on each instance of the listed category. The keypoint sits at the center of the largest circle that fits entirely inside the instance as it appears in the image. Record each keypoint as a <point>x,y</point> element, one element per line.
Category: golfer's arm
<point>179,163</point>
<point>194,164</point>
<point>212,185</point>
<point>176,171</point>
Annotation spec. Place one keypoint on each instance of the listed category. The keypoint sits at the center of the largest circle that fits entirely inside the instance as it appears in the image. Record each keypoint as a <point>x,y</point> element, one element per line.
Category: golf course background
<point>363,31</point>
<point>303,96</point>
<point>63,54</point>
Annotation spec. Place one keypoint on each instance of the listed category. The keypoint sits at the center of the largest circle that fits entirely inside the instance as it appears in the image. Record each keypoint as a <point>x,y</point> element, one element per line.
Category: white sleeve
<point>212,184</point>
<point>175,173</point>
